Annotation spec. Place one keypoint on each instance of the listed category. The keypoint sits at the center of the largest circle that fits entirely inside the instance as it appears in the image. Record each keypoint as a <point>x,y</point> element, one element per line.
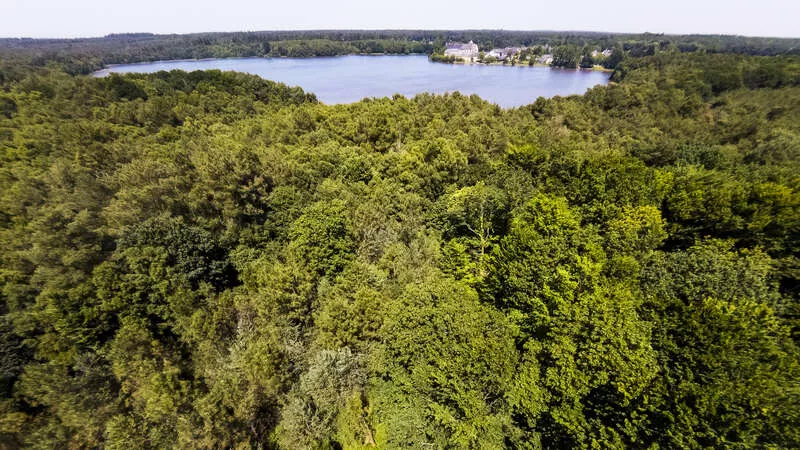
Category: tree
<point>727,360</point>
<point>446,368</point>
<point>547,276</point>
<point>616,57</point>
<point>478,210</point>
<point>567,56</point>
<point>321,238</point>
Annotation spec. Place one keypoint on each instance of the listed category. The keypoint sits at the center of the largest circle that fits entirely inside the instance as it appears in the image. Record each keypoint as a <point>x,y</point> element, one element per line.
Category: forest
<point>213,260</point>
<point>85,55</point>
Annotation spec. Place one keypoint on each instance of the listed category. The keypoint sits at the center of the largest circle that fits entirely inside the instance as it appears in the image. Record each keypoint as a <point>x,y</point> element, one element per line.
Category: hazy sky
<point>76,18</point>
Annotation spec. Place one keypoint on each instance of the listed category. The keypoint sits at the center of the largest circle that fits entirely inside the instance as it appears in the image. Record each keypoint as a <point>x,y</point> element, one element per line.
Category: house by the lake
<point>545,59</point>
<point>502,53</point>
<point>605,53</point>
<point>460,50</point>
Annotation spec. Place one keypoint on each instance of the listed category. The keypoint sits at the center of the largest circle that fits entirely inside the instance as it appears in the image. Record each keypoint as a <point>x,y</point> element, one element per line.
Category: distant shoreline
<point>160,61</point>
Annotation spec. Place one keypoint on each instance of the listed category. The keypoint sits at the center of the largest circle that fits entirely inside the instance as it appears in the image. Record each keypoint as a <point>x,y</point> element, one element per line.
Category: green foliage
<point>321,238</point>
<point>435,57</point>
<point>716,327</point>
<point>310,416</point>
<point>444,371</point>
<point>212,260</point>
<point>566,56</point>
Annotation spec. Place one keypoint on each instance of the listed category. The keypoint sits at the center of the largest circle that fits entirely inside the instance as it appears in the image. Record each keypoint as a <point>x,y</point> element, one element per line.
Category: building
<point>461,50</point>
<point>545,59</point>
<point>605,53</point>
<point>497,53</point>
<point>502,53</point>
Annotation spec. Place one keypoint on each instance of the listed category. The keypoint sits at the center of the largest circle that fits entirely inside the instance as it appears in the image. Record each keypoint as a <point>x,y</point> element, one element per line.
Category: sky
<point>88,18</point>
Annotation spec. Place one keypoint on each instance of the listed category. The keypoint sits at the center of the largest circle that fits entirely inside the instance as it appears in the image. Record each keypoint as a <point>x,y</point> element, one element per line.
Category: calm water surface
<point>346,79</point>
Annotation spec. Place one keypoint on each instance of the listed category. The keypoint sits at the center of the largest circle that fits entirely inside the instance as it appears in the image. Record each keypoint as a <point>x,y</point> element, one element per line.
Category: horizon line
<point>278,30</point>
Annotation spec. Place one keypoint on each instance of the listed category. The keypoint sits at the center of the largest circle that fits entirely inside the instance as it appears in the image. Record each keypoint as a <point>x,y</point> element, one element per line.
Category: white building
<point>496,53</point>
<point>502,53</point>
<point>545,59</point>
<point>461,50</point>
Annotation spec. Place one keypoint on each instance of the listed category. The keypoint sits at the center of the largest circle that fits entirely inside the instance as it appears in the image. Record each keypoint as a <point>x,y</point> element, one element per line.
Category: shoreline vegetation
<point>86,55</point>
<point>440,58</point>
<point>212,260</point>
<point>566,56</point>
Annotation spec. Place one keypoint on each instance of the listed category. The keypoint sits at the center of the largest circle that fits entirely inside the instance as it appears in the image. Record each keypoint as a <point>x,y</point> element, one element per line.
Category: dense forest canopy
<point>213,260</point>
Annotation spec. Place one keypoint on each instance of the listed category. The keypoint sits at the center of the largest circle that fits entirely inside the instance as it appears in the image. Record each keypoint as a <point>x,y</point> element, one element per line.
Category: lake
<point>347,79</point>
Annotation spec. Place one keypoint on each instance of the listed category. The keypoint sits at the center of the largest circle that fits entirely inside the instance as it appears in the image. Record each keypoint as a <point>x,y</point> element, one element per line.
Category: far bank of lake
<point>347,79</point>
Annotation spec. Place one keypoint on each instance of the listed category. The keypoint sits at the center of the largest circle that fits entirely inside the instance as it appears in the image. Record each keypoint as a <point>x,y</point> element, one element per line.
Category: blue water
<point>347,79</point>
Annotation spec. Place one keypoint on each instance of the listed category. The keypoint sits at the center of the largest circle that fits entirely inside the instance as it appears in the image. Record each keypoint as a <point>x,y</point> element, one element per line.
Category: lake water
<point>346,79</point>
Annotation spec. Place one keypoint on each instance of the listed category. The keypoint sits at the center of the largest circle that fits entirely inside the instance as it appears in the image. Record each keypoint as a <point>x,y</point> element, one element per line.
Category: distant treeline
<point>298,48</point>
<point>88,54</point>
